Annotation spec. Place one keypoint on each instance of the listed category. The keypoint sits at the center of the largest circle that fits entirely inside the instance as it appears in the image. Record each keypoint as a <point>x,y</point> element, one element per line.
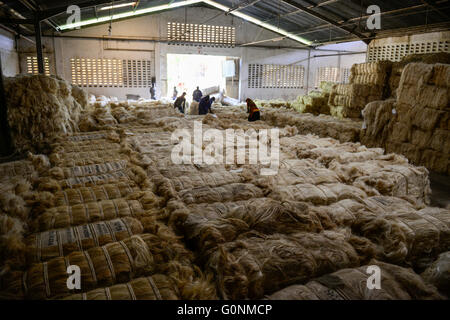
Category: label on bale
<point>67,236</point>
<point>101,229</point>
<point>84,232</point>
<point>118,226</point>
<point>49,239</point>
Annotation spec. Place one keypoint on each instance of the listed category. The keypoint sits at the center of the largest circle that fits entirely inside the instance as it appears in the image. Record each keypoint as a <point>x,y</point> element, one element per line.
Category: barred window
<point>32,66</point>
<point>88,72</point>
<point>205,34</point>
<point>272,76</point>
<point>396,52</point>
<point>329,74</point>
<point>345,75</point>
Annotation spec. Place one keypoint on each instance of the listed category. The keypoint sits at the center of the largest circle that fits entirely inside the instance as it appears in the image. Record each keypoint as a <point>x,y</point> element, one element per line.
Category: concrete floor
<point>440,186</point>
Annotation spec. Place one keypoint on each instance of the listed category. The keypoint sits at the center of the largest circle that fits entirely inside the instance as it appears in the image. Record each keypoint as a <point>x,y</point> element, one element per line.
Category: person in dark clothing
<point>153,92</point>
<point>175,93</point>
<point>180,103</point>
<point>197,96</point>
<point>252,109</point>
<point>205,105</point>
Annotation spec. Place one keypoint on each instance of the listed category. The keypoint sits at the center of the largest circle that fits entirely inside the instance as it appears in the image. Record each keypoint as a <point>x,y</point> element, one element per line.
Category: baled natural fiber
<point>319,195</point>
<point>12,245</point>
<point>116,262</point>
<point>61,242</point>
<point>40,108</point>
<point>438,274</point>
<point>397,283</point>
<point>259,265</point>
<point>231,192</point>
<point>72,197</point>
<point>156,287</point>
<point>67,216</point>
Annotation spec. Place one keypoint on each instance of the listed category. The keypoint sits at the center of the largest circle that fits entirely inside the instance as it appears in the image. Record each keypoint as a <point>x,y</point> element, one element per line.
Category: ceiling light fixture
<point>115,6</point>
<point>180,4</point>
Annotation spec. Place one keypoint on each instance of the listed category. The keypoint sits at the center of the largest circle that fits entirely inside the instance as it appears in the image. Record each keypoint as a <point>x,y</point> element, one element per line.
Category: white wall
<point>10,58</point>
<point>154,27</point>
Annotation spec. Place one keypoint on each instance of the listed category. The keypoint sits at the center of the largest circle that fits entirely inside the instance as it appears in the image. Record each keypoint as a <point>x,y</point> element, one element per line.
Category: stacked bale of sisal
<point>156,287</point>
<point>114,263</point>
<point>422,127</point>
<point>257,265</point>
<point>41,108</point>
<point>418,124</point>
<point>368,82</point>
<point>438,273</point>
<point>344,130</point>
<point>316,102</point>
<point>397,283</point>
<point>398,67</point>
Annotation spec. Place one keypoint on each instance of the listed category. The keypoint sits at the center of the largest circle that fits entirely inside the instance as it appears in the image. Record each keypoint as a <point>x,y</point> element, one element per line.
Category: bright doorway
<point>187,71</point>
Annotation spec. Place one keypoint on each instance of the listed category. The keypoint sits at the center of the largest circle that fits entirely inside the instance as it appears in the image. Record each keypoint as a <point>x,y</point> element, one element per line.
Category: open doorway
<point>213,74</point>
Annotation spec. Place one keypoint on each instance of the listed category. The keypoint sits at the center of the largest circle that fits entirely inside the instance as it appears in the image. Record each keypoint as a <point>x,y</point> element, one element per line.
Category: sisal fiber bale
<point>36,102</point>
<point>231,192</point>
<point>72,197</point>
<point>14,205</point>
<point>212,180</point>
<point>386,176</point>
<point>89,181</point>
<point>377,116</point>
<point>94,169</point>
<point>406,235</point>
<point>438,274</point>
<point>259,265</point>
<point>114,263</point>
<point>318,195</point>
<point>97,146</point>
<point>68,216</point>
<point>12,245</point>
<point>22,168</point>
<point>397,283</point>
<point>208,225</point>
<point>85,158</point>
<point>156,287</point>
<point>61,242</point>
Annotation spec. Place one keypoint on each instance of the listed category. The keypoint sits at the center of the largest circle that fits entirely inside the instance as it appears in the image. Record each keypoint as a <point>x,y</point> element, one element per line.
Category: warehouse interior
<point>323,155</point>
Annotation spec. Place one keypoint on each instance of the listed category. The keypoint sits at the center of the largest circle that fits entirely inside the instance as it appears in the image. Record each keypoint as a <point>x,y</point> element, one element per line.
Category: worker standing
<point>153,92</point>
<point>252,109</point>
<point>205,105</point>
<point>197,96</point>
<point>175,93</point>
<point>180,103</point>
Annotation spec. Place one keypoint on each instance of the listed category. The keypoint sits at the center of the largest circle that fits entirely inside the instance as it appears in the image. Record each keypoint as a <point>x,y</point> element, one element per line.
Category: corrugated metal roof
<point>320,21</point>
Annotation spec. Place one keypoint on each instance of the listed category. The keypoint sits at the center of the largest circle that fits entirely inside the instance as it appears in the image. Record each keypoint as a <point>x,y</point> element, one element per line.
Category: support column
<point>40,55</point>
<point>6,147</point>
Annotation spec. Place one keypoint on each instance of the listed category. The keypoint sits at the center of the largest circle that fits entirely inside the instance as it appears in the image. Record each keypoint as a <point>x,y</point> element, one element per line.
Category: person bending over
<point>205,105</point>
<point>180,103</point>
<point>252,109</point>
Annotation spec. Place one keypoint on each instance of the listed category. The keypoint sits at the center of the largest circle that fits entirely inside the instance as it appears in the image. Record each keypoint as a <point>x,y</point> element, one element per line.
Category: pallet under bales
<point>416,124</point>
